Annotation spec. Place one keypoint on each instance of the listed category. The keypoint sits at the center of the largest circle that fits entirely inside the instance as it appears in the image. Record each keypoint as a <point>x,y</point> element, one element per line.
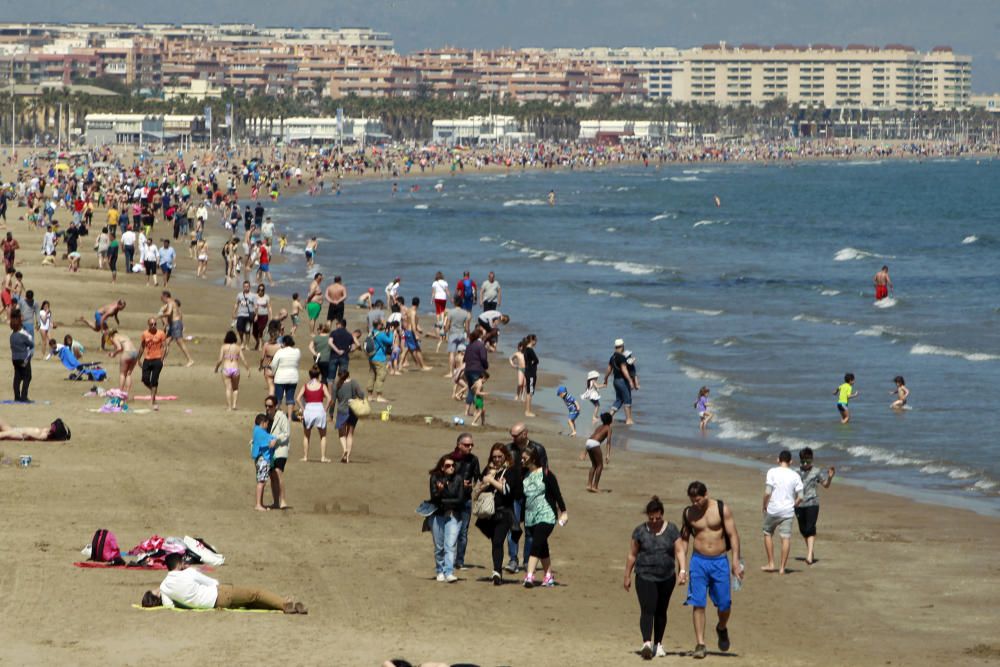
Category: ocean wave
<point>699,374</point>
<point>731,429</point>
<point>880,330</point>
<point>663,216</point>
<point>830,292</point>
<point>792,443</point>
<point>681,179</point>
<point>633,268</point>
<point>292,249</point>
<point>525,202</point>
<point>726,341</point>
<point>702,223</point>
<point>486,239</point>
<point>884,456</point>
<point>858,163</point>
<point>698,171</point>
<point>551,257</point>
<point>624,188</point>
<point>922,349</point>
<point>970,239</point>
<point>700,311</point>
<point>611,230</point>
<point>850,254</point>
<point>802,317</point>
<point>657,306</point>
<point>595,291</point>
<point>575,259</point>
<point>887,302</point>
<point>984,485</point>
<point>421,207</point>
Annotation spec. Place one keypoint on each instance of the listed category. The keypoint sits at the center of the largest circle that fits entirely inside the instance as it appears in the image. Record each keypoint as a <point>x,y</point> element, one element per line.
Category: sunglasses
<point>448,465</point>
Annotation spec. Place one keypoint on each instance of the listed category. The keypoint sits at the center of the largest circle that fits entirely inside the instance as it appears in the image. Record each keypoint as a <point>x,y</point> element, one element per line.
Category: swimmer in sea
<point>310,252</point>
<point>901,393</point>
<point>718,202</point>
<point>883,284</point>
<point>552,197</point>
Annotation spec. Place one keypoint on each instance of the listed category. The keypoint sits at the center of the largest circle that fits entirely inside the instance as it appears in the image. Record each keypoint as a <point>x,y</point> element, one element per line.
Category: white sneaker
<point>440,576</point>
<point>451,578</point>
<point>660,653</point>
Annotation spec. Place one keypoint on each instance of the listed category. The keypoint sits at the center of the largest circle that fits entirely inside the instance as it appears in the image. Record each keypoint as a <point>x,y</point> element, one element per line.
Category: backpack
<point>370,344</point>
<point>104,547</point>
<point>687,524</point>
<point>58,431</point>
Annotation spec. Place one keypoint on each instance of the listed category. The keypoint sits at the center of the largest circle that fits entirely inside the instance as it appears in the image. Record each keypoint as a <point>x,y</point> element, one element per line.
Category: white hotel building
<point>894,77</point>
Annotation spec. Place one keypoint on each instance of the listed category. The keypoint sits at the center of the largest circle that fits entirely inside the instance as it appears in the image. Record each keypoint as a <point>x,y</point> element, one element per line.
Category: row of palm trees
<point>43,116</point>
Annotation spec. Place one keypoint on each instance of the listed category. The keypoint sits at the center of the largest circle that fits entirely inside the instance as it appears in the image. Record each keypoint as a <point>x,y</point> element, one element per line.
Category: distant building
<point>327,131</point>
<point>621,131</point>
<point>138,129</point>
<point>989,102</point>
<point>479,130</point>
<point>197,89</point>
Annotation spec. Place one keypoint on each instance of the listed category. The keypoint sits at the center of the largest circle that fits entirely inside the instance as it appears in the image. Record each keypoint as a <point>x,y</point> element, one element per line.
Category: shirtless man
<point>102,314</point>
<point>412,333</point>
<point>173,324</point>
<point>314,301</point>
<point>883,284</point>
<point>336,295</point>
<point>711,527</point>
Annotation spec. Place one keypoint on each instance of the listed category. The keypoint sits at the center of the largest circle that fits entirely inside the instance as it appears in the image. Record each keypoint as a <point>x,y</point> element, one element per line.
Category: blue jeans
<point>513,536</point>
<point>471,377</point>
<point>623,393</point>
<point>463,533</point>
<point>445,529</point>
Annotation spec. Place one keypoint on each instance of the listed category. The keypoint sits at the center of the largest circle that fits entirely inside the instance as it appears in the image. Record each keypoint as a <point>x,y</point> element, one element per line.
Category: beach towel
<point>147,397</point>
<point>91,565</point>
<point>241,609</point>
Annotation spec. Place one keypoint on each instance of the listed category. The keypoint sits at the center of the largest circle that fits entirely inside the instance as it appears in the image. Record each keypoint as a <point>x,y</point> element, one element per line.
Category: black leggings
<point>113,259</point>
<point>22,378</point>
<point>151,372</point>
<point>654,597</point>
<point>540,539</point>
<point>500,527</point>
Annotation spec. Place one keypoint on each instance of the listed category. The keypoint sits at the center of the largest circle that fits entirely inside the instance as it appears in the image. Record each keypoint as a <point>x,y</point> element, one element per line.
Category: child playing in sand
<point>262,452</point>
<point>458,378</point>
<point>592,394</point>
<point>478,390</point>
<point>296,313</point>
<point>701,405</point>
<point>845,393</point>
<point>572,406</point>
<point>901,393</point>
<point>593,450</point>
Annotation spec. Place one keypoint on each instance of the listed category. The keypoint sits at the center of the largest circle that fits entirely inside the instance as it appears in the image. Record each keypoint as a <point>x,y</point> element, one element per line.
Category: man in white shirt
<point>187,588</point>
<point>782,493</point>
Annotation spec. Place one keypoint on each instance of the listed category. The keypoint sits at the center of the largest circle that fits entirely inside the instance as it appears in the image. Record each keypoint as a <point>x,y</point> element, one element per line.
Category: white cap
<point>593,375</point>
<point>619,342</point>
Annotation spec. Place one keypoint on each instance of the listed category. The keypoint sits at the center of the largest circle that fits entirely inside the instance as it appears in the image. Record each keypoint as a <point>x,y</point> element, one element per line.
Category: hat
<point>593,375</point>
<point>619,342</point>
<point>629,355</point>
<point>561,389</point>
<point>371,290</point>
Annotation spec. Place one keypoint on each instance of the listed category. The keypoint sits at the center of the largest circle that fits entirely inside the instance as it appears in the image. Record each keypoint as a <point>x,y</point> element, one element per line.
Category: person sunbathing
<point>9,432</point>
<point>186,587</point>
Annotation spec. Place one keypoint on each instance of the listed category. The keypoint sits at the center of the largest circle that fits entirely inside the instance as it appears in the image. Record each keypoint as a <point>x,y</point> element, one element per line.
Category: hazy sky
<point>970,26</point>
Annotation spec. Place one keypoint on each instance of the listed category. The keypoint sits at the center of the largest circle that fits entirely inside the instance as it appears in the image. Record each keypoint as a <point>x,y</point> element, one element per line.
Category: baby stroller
<point>91,372</point>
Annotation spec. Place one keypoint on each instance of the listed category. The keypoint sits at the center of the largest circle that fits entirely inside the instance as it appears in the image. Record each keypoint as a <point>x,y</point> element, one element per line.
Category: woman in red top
<point>313,399</point>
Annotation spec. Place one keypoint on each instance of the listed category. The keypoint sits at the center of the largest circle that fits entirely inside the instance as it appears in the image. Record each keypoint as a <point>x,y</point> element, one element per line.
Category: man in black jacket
<point>466,467</point>
<point>520,440</point>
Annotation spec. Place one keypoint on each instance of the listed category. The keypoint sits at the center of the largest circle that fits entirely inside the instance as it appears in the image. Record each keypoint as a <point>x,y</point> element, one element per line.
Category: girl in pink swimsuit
<point>230,357</point>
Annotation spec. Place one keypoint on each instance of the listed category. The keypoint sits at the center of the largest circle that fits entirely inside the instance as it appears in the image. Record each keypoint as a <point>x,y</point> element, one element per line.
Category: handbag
<point>359,407</point>
<point>484,506</point>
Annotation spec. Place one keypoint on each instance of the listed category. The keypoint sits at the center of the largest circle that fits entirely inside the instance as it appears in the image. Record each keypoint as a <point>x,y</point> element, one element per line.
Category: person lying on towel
<point>187,588</point>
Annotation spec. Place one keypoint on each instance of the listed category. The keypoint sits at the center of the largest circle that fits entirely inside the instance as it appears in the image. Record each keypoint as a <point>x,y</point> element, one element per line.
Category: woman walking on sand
<point>652,557</point>
<point>285,366</point>
<point>262,315</point>
<point>230,357</point>
<point>267,353</point>
<point>530,372</point>
<point>312,399</point>
<point>347,421</point>
<point>123,348</point>
<point>542,502</point>
<point>505,485</point>
<point>448,496</point>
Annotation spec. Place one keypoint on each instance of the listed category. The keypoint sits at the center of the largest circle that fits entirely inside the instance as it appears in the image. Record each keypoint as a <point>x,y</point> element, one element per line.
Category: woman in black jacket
<point>504,482</point>
<point>447,496</point>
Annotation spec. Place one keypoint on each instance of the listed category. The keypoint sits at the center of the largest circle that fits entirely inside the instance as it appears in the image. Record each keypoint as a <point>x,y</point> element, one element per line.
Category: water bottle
<point>737,582</point>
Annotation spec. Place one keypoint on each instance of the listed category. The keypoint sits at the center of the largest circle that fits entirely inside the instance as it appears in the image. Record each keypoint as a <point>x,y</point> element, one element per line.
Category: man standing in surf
<point>883,284</point>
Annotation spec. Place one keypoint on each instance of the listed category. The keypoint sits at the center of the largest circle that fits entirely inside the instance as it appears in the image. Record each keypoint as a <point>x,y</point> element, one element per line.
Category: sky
<point>971,27</point>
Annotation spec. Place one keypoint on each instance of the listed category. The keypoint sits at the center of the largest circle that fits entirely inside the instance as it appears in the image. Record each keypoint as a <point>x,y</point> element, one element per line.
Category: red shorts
<point>881,291</point>
<point>439,305</point>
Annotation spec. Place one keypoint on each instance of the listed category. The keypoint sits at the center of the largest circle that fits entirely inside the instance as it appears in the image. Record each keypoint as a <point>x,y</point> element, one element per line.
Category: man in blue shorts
<point>710,526</point>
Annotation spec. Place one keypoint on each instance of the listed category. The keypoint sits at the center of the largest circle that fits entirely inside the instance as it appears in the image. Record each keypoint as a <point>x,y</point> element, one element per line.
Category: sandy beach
<point>897,582</point>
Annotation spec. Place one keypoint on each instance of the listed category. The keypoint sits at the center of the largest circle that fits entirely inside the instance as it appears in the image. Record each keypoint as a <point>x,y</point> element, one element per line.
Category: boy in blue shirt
<point>572,406</point>
<point>262,451</point>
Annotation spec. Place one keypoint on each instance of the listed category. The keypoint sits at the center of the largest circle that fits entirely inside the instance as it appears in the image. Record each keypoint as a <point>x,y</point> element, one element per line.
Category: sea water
<point>766,299</point>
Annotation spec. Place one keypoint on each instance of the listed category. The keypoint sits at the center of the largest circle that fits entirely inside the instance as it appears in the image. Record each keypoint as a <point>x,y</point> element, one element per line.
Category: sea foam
<point>524,202</point>
<point>921,349</point>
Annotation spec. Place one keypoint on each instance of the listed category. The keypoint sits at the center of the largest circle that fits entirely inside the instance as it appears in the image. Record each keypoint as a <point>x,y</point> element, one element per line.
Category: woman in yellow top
<point>845,393</point>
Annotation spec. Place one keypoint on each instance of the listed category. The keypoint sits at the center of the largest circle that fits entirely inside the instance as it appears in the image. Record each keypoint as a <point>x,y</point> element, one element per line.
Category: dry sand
<point>897,582</point>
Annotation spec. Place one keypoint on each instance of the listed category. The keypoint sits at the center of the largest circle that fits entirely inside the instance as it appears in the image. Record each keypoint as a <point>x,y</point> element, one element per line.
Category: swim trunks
<point>177,329</point>
<point>881,292</point>
<point>97,318</point>
<point>313,310</point>
<point>709,574</point>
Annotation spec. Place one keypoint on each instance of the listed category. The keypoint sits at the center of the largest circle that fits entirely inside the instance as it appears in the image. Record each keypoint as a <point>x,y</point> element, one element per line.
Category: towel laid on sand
<point>242,610</point>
